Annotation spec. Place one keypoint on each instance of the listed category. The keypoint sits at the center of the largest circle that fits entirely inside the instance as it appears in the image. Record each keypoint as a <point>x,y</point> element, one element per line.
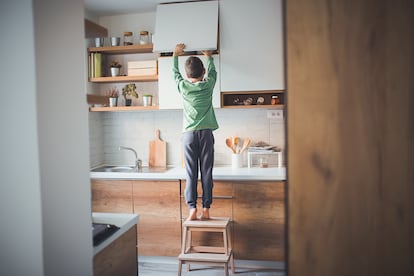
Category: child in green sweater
<point>199,122</point>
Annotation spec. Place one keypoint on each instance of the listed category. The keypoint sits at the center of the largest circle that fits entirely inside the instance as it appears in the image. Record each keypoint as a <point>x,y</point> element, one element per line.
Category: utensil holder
<point>236,160</point>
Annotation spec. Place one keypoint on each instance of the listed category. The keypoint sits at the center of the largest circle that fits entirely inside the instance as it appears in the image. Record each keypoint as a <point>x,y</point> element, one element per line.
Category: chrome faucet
<point>138,162</point>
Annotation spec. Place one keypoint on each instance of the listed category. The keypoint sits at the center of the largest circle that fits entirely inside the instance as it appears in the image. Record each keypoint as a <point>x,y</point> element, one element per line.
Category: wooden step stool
<point>206,254</point>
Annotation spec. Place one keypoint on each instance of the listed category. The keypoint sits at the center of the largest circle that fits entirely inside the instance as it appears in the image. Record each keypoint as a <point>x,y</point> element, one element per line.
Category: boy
<point>199,121</point>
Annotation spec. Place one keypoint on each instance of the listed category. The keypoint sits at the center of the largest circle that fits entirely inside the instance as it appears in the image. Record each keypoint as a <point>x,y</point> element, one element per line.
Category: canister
<point>275,100</point>
<point>128,38</point>
<point>143,37</point>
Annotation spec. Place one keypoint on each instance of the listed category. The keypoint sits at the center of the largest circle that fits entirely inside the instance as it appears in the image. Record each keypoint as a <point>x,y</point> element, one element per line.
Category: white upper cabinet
<point>251,45</point>
<point>169,98</point>
<point>194,24</point>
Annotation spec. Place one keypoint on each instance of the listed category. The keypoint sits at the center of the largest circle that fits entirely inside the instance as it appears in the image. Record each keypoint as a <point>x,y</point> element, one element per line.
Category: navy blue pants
<point>198,149</point>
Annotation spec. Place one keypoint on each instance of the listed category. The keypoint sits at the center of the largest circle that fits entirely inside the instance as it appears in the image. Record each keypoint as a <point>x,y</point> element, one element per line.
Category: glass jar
<point>128,38</point>
<point>143,37</point>
<point>263,162</point>
<point>275,100</point>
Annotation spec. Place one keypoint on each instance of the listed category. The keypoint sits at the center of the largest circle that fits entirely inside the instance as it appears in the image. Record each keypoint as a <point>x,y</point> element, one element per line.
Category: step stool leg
<point>180,267</point>
<point>232,264</point>
<point>226,269</point>
<point>231,248</point>
<point>184,242</point>
<point>225,240</point>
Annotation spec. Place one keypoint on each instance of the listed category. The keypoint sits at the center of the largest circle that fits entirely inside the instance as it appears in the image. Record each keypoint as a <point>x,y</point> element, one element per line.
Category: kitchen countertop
<point>219,173</point>
<point>123,221</point>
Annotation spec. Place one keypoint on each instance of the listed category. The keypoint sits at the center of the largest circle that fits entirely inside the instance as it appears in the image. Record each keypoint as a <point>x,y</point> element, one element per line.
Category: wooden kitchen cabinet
<point>251,51</point>
<point>111,196</point>
<point>156,202</point>
<point>119,258</point>
<point>255,208</point>
<point>259,220</point>
<point>169,98</point>
<point>172,26</point>
<point>159,227</point>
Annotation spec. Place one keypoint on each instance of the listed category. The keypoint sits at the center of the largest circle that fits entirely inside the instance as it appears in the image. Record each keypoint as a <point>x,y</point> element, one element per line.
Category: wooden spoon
<point>230,144</point>
<point>246,143</point>
<point>236,141</point>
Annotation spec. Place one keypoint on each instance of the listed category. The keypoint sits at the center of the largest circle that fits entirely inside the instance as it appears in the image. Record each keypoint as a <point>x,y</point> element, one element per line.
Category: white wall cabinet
<point>251,45</point>
<point>193,23</point>
<point>169,98</point>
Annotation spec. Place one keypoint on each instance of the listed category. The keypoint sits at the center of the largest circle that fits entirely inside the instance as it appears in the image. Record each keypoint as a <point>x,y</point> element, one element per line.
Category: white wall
<point>136,22</point>
<point>109,130</point>
<point>21,250</point>
<point>63,137</point>
<point>44,158</point>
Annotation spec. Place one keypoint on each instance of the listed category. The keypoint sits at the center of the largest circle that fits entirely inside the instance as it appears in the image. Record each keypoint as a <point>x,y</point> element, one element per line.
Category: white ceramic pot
<point>114,71</point>
<point>147,100</point>
<point>113,102</point>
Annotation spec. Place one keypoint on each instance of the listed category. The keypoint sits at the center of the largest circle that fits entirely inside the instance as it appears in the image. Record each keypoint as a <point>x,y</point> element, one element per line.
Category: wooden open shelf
<point>115,50</point>
<point>267,106</point>
<point>236,99</point>
<point>122,108</point>
<point>125,79</point>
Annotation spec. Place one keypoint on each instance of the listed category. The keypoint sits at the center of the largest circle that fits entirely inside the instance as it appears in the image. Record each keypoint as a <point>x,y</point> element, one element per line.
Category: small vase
<point>114,71</point>
<point>128,102</point>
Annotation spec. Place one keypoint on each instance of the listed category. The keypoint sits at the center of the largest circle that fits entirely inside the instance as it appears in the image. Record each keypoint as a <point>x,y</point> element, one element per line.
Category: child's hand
<point>207,53</point>
<point>179,49</point>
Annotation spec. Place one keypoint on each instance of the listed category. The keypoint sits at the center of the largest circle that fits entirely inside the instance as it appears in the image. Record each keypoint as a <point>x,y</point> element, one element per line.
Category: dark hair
<point>194,67</point>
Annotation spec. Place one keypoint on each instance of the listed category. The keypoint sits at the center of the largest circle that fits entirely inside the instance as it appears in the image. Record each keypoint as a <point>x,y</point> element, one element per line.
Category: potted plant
<point>113,94</point>
<point>131,91</point>
<point>115,66</point>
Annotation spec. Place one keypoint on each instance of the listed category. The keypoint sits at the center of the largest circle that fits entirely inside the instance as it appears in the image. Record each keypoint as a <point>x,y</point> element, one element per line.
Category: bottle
<point>143,37</point>
<point>128,38</point>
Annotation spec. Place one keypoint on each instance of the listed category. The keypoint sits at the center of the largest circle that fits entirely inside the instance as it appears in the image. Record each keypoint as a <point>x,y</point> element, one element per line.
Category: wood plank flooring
<point>168,266</point>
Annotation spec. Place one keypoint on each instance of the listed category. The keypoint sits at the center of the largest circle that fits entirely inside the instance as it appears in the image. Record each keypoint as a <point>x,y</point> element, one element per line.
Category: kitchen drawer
<point>110,196</point>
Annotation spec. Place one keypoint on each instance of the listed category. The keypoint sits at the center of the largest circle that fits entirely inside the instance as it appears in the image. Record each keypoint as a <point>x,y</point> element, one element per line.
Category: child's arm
<point>179,49</point>
<point>211,69</point>
<point>207,53</point>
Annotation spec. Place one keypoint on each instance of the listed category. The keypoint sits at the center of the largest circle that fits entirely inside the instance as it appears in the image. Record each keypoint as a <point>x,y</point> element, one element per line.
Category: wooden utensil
<point>236,141</point>
<point>157,152</point>
<point>246,143</point>
<point>230,145</point>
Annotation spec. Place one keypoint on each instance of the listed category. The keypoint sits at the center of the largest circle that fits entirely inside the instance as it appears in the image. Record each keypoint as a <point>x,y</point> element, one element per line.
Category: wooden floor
<point>168,266</point>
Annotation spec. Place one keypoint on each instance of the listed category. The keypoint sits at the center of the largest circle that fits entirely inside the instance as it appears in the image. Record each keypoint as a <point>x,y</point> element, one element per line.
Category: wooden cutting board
<point>157,152</point>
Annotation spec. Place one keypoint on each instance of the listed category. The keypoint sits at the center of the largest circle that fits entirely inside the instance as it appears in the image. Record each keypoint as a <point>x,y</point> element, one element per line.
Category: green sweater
<point>197,97</point>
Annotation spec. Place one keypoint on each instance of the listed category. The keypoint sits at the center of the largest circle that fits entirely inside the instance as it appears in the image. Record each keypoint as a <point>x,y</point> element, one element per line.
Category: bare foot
<point>206,214</point>
<point>193,214</point>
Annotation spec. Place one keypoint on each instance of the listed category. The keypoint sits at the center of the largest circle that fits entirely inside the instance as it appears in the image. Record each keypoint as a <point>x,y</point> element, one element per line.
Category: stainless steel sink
<point>128,169</point>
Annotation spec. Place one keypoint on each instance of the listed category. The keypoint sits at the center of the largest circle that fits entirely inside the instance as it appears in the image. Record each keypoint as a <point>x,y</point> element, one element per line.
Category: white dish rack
<point>264,159</point>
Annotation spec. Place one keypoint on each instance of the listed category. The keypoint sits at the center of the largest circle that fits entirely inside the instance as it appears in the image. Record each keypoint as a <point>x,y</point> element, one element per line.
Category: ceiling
<point>114,7</point>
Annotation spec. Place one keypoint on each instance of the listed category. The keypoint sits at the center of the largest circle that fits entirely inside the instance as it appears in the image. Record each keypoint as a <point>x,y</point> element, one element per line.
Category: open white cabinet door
<point>193,23</point>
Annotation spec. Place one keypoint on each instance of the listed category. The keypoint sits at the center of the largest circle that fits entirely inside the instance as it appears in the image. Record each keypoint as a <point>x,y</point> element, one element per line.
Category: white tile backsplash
<point>109,130</point>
